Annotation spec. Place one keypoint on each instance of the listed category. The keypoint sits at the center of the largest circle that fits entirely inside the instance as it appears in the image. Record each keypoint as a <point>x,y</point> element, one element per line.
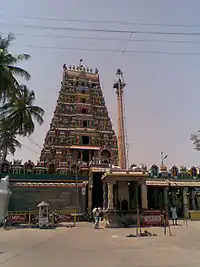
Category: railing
<point>32,217</point>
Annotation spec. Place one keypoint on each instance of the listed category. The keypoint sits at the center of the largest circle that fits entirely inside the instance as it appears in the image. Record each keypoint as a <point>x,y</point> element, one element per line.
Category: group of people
<point>98,216</point>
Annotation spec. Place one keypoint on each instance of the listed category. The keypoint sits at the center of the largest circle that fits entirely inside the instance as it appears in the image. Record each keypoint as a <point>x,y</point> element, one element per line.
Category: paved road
<point>84,246</point>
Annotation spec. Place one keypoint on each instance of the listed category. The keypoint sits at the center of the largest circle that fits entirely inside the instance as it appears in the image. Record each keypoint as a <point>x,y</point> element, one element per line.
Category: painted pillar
<point>136,195</point>
<point>90,187</point>
<point>105,196</point>
<point>193,200</point>
<point>83,198</point>
<point>185,201</point>
<point>110,196</point>
<point>166,199</point>
<point>144,196</point>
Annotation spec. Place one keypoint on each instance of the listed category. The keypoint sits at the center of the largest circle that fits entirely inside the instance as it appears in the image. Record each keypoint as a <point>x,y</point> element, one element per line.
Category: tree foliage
<point>19,114</point>
<point>196,140</point>
<point>9,68</point>
<point>17,109</point>
<point>8,142</point>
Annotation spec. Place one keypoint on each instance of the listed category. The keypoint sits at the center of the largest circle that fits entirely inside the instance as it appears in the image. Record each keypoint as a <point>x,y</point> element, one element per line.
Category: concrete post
<point>166,199</point>
<point>110,196</point>
<point>90,187</point>
<point>144,196</point>
<point>136,196</point>
<point>185,201</point>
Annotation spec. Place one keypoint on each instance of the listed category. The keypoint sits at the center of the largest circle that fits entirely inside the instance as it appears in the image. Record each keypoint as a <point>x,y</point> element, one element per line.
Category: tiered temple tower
<point>81,130</point>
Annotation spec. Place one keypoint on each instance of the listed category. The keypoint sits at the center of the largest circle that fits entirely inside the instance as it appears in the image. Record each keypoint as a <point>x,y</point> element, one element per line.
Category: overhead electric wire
<point>106,38</point>
<point>113,50</point>
<point>101,21</point>
<point>32,150</point>
<point>101,30</point>
<point>34,143</point>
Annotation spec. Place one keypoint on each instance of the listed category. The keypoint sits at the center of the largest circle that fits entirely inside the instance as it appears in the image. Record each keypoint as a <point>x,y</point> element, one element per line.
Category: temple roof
<point>81,72</point>
<point>168,183</point>
<point>125,175</point>
<point>46,185</point>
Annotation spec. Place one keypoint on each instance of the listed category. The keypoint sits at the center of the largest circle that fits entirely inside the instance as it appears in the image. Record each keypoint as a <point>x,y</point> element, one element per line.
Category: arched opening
<point>84,111</point>
<point>154,170</point>
<point>105,156</point>
<point>28,168</point>
<point>51,169</point>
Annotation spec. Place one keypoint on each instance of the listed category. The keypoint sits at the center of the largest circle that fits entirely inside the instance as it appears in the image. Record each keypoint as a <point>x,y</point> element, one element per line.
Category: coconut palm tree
<point>9,68</point>
<point>18,113</point>
<point>8,142</point>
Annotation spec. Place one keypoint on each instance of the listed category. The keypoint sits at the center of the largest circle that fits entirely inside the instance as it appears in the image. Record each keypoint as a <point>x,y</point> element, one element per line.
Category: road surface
<point>83,246</point>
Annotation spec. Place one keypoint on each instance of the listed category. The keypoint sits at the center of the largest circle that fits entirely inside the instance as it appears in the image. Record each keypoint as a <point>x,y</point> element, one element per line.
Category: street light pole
<point>163,157</point>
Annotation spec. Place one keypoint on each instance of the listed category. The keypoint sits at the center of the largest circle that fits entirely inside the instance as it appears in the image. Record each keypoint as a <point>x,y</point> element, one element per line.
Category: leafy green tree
<point>8,142</point>
<point>196,140</point>
<point>9,68</point>
<point>19,114</point>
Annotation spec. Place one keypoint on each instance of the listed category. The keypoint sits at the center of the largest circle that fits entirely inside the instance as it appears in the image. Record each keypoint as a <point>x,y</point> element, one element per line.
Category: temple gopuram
<point>78,147</point>
<point>79,167</point>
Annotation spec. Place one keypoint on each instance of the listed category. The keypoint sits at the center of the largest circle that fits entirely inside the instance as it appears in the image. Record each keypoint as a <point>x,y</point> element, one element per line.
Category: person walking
<point>174,215</point>
<point>96,214</point>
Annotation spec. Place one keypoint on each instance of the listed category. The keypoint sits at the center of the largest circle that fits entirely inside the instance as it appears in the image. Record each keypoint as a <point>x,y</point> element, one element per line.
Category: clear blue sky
<point>163,91</point>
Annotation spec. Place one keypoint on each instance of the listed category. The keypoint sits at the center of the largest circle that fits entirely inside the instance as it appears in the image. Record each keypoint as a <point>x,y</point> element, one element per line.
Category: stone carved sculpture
<point>4,197</point>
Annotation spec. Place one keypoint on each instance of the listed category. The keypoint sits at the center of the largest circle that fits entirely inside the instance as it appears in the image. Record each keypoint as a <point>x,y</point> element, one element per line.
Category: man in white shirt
<point>174,215</point>
<point>96,214</point>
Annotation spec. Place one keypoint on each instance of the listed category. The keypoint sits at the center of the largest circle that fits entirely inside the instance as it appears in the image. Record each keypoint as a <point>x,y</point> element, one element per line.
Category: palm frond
<point>22,57</point>
<point>38,110</point>
<point>37,117</point>
<point>18,113</point>
<point>20,72</point>
<point>5,42</point>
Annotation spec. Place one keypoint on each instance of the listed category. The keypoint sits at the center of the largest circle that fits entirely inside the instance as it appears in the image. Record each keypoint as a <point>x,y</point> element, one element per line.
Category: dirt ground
<point>85,246</point>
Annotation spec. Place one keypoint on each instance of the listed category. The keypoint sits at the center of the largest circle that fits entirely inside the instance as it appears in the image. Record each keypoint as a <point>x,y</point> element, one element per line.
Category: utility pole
<point>119,86</point>
<point>163,157</point>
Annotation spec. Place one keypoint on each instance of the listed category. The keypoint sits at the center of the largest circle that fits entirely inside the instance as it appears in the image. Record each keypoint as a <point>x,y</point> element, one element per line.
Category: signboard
<point>195,216</point>
<point>152,218</point>
<point>63,217</point>
<point>17,218</point>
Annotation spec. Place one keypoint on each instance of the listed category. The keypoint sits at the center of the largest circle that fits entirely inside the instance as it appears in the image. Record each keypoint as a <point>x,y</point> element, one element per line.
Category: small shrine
<point>124,192</point>
<point>43,215</point>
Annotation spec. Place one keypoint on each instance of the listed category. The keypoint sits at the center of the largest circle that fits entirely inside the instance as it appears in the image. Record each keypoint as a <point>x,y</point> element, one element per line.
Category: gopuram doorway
<point>97,190</point>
